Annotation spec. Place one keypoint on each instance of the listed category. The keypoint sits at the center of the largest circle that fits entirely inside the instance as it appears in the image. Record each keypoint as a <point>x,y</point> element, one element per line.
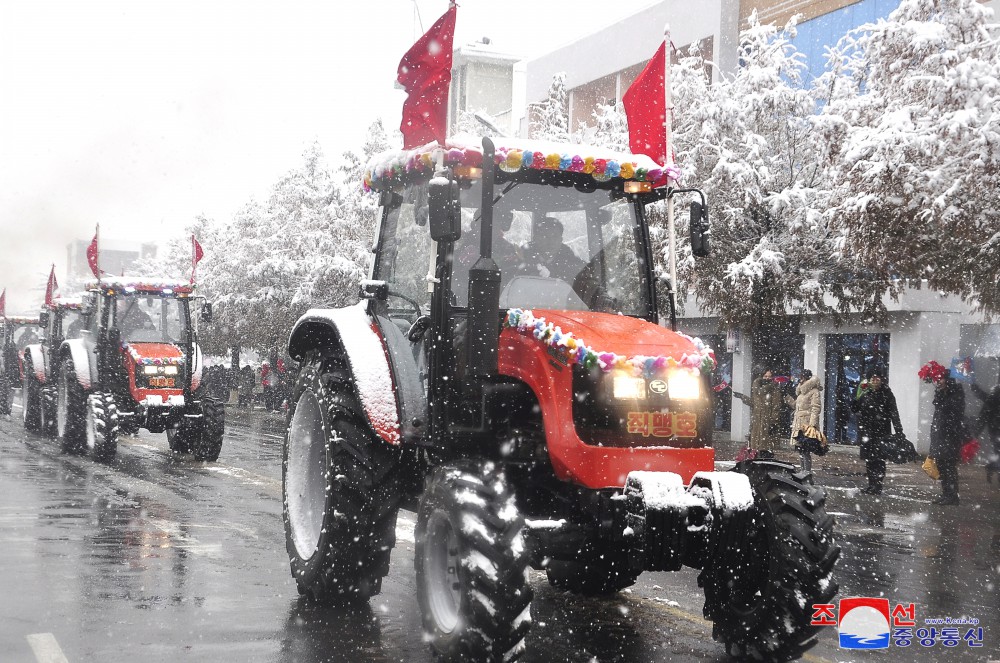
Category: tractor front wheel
<point>471,565</point>
<point>71,409</point>
<point>102,426</point>
<point>207,444</point>
<point>770,564</point>
<point>342,490</point>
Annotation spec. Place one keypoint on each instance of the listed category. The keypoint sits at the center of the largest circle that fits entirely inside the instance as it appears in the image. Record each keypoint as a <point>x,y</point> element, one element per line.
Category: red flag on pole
<point>3,303</point>
<point>51,288</point>
<point>196,255</point>
<point>645,108</point>
<point>94,255</point>
<point>425,74</point>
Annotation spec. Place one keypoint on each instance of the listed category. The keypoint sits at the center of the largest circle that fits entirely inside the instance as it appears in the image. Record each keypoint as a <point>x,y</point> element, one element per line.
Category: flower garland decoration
<point>151,361</point>
<point>400,168</point>
<point>578,352</point>
<point>142,284</point>
<point>932,372</point>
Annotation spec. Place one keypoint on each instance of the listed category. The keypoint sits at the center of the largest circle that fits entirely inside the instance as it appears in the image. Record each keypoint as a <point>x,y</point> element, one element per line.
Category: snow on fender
<point>369,362</point>
<point>730,491</point>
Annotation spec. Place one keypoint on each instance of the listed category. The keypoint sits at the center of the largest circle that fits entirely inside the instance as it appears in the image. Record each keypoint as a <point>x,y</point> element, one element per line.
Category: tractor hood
<point>154,354</point>
<point>620,334</point>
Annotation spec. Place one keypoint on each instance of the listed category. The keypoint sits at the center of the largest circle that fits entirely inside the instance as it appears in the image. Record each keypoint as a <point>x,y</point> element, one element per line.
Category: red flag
<point>425,74</point>
<point>93,257</point>
<point>645,108</point>
<point>196,255</point>
<point>3,303</point>
<point>51,288</point>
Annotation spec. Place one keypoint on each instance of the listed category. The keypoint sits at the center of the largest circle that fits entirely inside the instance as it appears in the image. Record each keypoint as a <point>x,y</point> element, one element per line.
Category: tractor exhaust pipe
<point>484,287</point>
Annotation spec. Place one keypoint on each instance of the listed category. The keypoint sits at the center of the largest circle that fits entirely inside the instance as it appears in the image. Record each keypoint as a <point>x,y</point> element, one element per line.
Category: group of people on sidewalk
<point>878,424</point>
<point>264,384</point>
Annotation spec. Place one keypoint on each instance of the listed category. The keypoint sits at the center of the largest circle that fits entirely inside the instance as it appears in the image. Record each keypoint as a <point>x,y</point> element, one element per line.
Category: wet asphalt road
<point>158,557</point>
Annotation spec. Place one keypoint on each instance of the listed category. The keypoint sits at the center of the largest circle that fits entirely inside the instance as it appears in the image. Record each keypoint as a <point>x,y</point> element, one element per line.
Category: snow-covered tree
<point>913,128</point>
<point>610,128</point>
<point>749,142</point>
<point>550,118</point>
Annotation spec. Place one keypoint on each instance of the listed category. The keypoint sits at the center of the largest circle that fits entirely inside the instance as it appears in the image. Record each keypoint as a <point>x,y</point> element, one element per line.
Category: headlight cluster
<point>159,370</point>
<point>681,384</point>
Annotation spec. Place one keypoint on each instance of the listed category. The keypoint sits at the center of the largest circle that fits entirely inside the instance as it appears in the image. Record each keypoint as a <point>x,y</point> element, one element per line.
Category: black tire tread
<point>105,412</point>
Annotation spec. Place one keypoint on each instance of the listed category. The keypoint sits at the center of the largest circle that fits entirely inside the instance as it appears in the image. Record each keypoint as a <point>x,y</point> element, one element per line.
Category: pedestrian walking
<point>807,404</point>
<point>878,416</point>
<point>989,421</point>
<point>948,434</point>
<point>246,386</point>
<point>765,403</point>
<point>267,385</point>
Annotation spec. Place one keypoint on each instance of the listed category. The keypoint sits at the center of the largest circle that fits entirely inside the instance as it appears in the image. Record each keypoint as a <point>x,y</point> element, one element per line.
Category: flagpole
<point>668,107</point>
<point>97,258</point>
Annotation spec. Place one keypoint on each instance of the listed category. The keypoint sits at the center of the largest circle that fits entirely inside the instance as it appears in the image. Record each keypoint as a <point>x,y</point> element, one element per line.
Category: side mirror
<point>700,230</point>
<point>445,210</point>
<point>206,313</point>
<point>43,318</point>
<point>378,290</point>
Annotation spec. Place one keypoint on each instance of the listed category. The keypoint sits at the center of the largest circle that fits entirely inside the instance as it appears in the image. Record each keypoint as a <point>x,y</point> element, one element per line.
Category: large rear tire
<point>207,444</point>
<point>71,410</point>
<point>341,488</point>
<point>599,571</point>
<point>31,402</point>
<point>770,565</point>
<point>471,563</point>
<point>102,426</point>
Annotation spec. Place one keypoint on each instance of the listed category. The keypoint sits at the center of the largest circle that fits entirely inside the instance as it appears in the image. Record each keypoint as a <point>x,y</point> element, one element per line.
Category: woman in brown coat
<point>765,403</point>
<point>808,403</point>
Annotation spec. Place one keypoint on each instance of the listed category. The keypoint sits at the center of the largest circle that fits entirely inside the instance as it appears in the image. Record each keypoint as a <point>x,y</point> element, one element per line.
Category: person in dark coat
<point>878,416</point>
<point>948,434</point>
<point>989,420</point>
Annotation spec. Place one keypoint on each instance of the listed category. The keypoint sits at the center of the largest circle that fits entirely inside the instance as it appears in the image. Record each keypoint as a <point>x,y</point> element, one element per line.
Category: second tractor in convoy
<point>137,364</point>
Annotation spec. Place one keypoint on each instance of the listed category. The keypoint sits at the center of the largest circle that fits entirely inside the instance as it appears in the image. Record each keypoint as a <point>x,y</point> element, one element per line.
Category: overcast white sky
<point>142,115</point>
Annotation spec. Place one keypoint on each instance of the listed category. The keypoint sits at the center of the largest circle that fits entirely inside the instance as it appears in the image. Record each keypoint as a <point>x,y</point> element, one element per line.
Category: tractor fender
<point>352,332</point>
<point>84,361</point>
<point>34,355</point>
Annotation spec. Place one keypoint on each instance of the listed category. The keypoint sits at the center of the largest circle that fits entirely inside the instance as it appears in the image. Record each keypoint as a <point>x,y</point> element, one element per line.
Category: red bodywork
<point>166,354</point>
<point>529,360</point>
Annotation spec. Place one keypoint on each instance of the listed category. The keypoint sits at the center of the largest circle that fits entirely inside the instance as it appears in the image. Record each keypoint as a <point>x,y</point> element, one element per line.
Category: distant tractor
<point>507,368</point>
<point>59,321</point>
<point>16,333</point>
<point>136,365</point>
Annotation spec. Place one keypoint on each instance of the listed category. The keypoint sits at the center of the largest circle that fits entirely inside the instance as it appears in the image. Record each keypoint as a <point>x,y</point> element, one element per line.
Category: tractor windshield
<point>25,335</point>
<point>72,323</point>
<point>559,248</point>
<point>143,318</point>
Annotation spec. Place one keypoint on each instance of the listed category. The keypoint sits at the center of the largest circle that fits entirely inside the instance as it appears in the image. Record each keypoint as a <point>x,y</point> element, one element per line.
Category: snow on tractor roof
<point>150,284</point>
<point>395,167</point>
<point>73,303</point>
<point>21,319</point>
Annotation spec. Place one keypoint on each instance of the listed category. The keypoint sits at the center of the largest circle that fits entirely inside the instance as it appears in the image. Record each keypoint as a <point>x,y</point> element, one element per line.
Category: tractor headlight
<point>683,384</point>
<point>170,370</point>
<point>629,388</point>
<point>150,370</point>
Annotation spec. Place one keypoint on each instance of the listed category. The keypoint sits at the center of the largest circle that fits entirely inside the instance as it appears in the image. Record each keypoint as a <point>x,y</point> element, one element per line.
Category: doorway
<point>848,358</point>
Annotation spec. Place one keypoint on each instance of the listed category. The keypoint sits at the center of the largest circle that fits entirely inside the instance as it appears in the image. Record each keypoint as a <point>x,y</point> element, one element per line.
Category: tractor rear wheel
<point>6,395</point>
<point>599,571</point>
<point>102,426</point>
<point>342,489</point>
<point>769,566</point>
<point>471,564</point>
<point>71,409</point>
<point>31,401</point>
<point>206,444</point>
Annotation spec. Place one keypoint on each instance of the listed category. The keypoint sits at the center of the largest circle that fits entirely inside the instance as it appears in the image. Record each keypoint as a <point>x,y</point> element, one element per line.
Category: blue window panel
<point>815,35</point>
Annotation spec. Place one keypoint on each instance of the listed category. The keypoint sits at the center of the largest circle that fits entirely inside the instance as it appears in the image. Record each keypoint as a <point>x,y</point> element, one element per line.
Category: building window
<point>849,357</point>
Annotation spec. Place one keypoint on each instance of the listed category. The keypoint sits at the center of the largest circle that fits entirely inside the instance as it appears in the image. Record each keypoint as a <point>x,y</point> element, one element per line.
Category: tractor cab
<point>59,319</point>
<point>16,333</point>
<point>569,252</point>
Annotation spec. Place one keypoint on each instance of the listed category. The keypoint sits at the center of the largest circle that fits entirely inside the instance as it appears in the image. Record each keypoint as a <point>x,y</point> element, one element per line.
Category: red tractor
<point>59,321</point>
<point>136,365</point>
<point>507,370</point>
<point>16,333</point>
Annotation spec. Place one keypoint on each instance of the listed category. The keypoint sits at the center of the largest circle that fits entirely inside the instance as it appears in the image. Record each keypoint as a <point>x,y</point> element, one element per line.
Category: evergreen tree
<point>551,117</point>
